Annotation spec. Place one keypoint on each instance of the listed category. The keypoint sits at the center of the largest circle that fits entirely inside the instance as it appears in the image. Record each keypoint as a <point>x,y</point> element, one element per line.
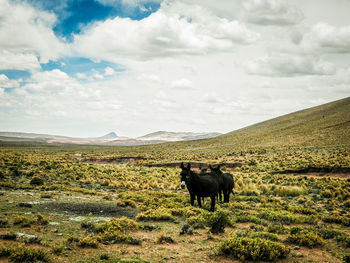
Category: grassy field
<point>291,202</point>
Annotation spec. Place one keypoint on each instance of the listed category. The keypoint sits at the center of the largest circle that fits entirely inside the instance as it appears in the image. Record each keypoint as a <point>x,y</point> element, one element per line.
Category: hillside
<point>324,125</point>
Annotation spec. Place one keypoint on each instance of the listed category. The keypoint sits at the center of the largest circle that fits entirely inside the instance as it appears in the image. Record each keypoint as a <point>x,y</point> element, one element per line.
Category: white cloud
<point>19,61</point>
<point>25,33</point>
<point>163,33</point>
<point>150,77</point>
<point>330,38</point>
<point>5,82</point>
<point>271,12</point>
<point>98,76</point>
<point>109,71</point>
<point>282,65</point>
<point>212,97</point>
<point>53,82</point>
<point>183,84</point>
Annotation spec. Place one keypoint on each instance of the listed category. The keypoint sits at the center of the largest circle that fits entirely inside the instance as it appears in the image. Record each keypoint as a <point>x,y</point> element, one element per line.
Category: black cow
<point>227,182</point>
<point>199,185</point>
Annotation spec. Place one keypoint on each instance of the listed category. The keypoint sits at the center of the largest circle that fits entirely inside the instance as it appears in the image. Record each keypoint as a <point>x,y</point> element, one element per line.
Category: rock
<point>296,248</point>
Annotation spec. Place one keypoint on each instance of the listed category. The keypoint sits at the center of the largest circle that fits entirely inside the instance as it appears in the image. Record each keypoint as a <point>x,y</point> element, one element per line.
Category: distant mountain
<point>177,136</point>
<point>108,139</point>
<point>111,135</point>
<point>22,136</point>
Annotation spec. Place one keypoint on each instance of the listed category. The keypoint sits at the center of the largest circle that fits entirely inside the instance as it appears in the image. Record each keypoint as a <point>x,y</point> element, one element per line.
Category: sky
<point>84,68</point>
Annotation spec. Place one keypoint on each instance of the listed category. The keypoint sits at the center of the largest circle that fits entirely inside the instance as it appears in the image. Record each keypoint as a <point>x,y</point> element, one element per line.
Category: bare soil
<point>109,209</point>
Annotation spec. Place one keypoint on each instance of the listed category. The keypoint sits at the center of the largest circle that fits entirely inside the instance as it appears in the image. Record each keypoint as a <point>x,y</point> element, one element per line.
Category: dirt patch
<point>313,169</point>
<point>83,209</point>
<point>343,176</point>
<point>195,165</point>
<point>114,160</point>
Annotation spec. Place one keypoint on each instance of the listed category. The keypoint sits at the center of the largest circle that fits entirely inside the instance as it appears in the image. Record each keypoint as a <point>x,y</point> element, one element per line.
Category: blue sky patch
<point>74,65</point>
<point>74,15</point>
<point>16,74</point>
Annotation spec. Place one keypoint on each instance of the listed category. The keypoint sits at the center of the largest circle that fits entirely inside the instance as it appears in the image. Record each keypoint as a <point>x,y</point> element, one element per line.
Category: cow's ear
<point>189,166</point>
<point>182,166</point>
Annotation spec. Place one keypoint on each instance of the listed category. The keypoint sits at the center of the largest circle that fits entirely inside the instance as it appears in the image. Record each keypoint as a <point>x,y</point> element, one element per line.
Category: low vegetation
<point>291,197</point>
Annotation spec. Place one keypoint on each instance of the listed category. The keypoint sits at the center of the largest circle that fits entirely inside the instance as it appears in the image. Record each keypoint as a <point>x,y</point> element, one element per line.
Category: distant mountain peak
<point>111,135</point>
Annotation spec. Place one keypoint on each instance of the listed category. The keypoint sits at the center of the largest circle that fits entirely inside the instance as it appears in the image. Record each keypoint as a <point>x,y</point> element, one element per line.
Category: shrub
<point>305,238</point>
<point>4,222</point>
<point>346,258</point>
<point>186,229</point>
<point>122,224</point>
<point>88,242</point>
<point>126,203</point>
<point>5,252</point>
<point>252,234</point>
<point>160,214</point>
<point>41,220</point>
<point>276,228</point>
<point>327,193</point>
<point>36,181</point>
<point>57,249</point>
<point>8,236</point>
<point>19,220</point>
<point>218,220</point>
<point>244,217</point>
<point>246,248</point>
<point>7,185</point>
<point>345,221</point>
<point>289,191</point>
<point>282,217</point>
<point>23,255</point>
<point>162,239</point>
<point>347,203</point>
<point>115,231</point>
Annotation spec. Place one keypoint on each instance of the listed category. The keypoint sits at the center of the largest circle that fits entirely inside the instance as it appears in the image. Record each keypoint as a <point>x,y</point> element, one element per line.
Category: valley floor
<point>57,206</point>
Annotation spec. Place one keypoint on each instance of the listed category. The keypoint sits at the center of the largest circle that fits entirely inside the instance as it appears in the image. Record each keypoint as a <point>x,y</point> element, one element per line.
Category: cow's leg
<point>212,205</point>
<point>199,201</point>
<point>192,199</point>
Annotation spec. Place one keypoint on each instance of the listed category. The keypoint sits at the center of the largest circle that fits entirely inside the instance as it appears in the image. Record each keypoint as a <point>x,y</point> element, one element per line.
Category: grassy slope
<point>324,125</point>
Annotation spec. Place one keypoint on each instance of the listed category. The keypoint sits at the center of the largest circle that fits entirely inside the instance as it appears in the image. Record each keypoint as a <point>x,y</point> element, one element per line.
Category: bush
<point>8,236</point>
<point>218,220</point>
<point>160,214</point>
<point>283,217</point>
<point>36,181</point>
<point>346,258</point>
<point>4,222</point>
<point>276,228</point>
<point>289,191</point>
<point>115,231</point>
<point>5,252</point>
<point>162,239</point>
<point>41,220</point>
<point>345,221</point>
<point>244,217</point>
<point>7,185</point>
<point>57,249</point>
<point>245,248</point>
<point>252,234</point>
<point>88,242</point>
<point>305,238</point>
<point>23,255</point>
<point>122,224</point>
